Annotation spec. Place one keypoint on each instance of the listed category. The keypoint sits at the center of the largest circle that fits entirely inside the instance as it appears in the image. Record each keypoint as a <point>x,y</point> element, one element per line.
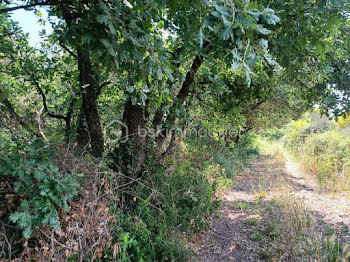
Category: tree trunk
<point>89,89</point>
<point>130,154</point>
<point>82,133</point>
<point>183,94</point>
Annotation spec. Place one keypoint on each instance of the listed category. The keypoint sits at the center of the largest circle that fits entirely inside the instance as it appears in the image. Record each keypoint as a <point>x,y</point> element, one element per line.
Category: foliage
<point>43,189</point>
<point>344,121</point>
<point>112,67</point>
<point>238,159</point>
<point>168,205</point>
<point>323,147</point>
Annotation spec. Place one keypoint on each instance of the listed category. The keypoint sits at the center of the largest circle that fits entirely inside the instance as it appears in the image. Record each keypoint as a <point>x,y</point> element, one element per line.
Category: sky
<point>29,23</point>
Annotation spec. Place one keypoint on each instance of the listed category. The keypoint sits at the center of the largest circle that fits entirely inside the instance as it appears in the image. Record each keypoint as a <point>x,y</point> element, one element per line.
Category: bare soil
<point>230,236</point>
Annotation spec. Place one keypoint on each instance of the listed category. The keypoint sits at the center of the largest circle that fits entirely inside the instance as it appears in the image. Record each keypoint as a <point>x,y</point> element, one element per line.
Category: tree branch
<point>102,86</point>
<point>41,93</point>
<point>254,106</point>
<point>10,9</point>
<point>189,80</point>
<point>14,114</point>
<point>185,90</point>
<point>68,50</point>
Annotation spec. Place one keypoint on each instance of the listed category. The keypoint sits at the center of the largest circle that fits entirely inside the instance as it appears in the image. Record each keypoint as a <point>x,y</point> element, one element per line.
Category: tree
<point>162,59</point>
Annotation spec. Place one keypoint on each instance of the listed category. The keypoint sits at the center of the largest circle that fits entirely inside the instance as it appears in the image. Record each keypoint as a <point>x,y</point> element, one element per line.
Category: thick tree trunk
<point>82,133</point>
<point>133,117</point>
<point>130,154</point>
<point>89,89</point>
<point>135,121</point>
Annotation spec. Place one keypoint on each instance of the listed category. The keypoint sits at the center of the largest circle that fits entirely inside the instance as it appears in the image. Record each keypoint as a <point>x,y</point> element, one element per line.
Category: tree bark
<point>183,94</point>
<point>130,155</point>
<point>89,89</point>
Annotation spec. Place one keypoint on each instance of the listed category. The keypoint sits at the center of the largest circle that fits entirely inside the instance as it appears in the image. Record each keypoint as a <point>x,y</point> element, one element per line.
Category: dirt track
<point>230,235</point>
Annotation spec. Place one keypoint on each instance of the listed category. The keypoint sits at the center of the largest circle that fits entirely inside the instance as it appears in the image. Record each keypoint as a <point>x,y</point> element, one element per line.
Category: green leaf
<point>168,98</point>
<point>130,89</point>
<point>159,74</point>
<point>14,217</point>
<point>227,33</point>
<point>170,76</point>
<point>264,30</point>
<point>4,94</point>
<point>27,232</point>
<point>235,66</point>
<point>263,44</point>
<point>102,19</point>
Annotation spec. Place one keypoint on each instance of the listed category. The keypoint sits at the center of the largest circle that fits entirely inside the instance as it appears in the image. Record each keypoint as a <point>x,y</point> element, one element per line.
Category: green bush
<point>330,153</point>
<point>167,208</point>
<point>272,133</point>
<point>38,182</point>
<point>236,159</point>
<point>171,203</point>
<point>323,146</point>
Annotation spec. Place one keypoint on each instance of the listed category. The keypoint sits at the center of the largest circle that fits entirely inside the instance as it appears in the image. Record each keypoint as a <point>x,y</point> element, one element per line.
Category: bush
<point>117,217</point>
<point>174,201</point>
<point>166,206</point>
<point>37,181</point>
<point>323,146</point>
<point>330,153</point>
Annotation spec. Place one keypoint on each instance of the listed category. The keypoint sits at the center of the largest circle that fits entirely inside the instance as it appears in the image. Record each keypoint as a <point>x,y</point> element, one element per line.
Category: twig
<point>7,241</point>
<point>38,122</point>
<point>160,210</point>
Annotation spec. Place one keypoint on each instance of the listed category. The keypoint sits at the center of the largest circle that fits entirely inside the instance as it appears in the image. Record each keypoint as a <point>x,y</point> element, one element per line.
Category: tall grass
<point>289,233</point>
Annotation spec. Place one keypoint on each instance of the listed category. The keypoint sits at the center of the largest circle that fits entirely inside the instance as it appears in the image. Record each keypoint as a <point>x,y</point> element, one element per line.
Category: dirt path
<point>333,208</point>
<point>234,234</point>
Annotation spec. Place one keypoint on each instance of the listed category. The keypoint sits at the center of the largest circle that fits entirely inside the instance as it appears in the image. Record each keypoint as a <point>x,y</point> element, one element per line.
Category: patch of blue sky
<point>30,23</point>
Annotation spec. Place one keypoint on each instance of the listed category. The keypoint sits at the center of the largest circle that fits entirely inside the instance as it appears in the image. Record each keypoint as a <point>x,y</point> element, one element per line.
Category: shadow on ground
<point>237,233</point>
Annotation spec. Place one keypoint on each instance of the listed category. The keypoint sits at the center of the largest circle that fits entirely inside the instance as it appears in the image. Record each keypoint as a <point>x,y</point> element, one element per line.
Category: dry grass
<point>289,231</point>
<point>85,231</point>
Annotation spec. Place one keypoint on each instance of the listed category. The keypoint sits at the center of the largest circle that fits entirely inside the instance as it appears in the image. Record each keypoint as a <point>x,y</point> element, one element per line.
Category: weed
<point>251,221</point>
<point>289,231</point>
<point>239,205</point>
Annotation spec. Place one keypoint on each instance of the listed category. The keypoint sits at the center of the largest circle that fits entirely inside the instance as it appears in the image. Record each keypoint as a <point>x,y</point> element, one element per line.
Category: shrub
<point>172,202</point>
<point>323,147</point>
<point>236,159</point>
<point>329,152</point>
<point>297,132</point>
<point>344,121</point>
<point>37,181</point>
<point>164,208</point>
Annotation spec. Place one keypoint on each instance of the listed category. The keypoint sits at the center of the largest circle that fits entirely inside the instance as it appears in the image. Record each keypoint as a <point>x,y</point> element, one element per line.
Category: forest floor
<point>267,209</point>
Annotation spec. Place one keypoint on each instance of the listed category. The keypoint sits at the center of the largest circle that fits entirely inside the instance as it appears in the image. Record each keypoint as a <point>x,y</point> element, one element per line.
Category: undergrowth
<point>70,207</point>
<point>323,147</point>
<point>286,230</point>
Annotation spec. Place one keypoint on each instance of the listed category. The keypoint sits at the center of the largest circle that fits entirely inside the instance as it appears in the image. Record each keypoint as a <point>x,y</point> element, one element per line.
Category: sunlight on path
<point>231,235</point>
<point>333,207</point>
